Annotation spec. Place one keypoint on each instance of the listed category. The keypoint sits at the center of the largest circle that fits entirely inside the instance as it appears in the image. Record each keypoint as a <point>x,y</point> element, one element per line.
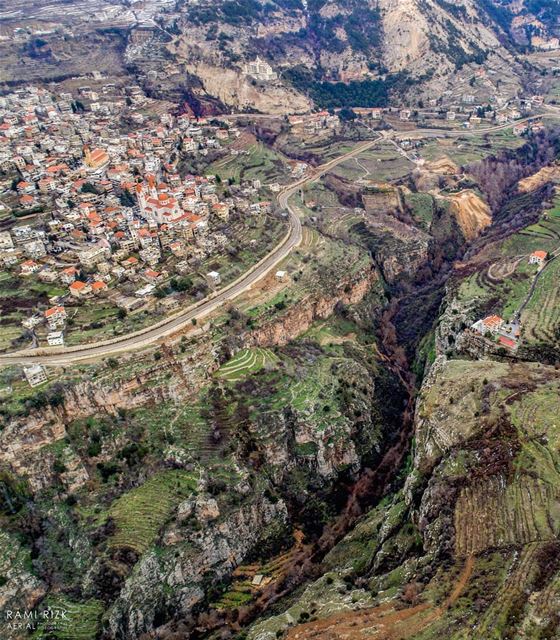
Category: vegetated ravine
<point>371,485</point>
<point>409,317</point>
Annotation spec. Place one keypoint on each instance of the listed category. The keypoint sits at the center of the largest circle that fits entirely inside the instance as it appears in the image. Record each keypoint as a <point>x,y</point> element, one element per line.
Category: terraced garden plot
<point>536,416</point>
<point>260,162</point>
<point>332,331</point>
<point>242,590</point>
<point>384,163</point>
<point>82,620</point>
<point>339,224</point>
<point>239,594</point>
<point>140,513</point>
<point>509,292</point>
<point>512,591</point>
<point>541,317</point>
<point>539,412</point>
<point>542,236</point>
<point>245,363</point>
<point>493,514</point>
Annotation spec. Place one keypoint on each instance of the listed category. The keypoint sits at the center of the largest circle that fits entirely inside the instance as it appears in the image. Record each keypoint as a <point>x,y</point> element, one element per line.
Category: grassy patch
<point>246,362</point>
<point>81,621</point>
<point>140,513</point>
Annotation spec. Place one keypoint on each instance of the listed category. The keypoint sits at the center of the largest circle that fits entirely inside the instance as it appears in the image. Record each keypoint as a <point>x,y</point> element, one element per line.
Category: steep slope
<point>198,52</point>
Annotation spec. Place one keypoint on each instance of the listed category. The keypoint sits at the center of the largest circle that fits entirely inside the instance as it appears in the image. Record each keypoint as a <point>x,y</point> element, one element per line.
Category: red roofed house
<point>68,275</point>
<point>490,324</point>
<point>96,159</point>
<point>26,201</point>
<point>28,267</point>
<point>152,276</point>
<point>55,316</point>
<point>79,289</point>
<point>538,257</point>
<point>98,287</point>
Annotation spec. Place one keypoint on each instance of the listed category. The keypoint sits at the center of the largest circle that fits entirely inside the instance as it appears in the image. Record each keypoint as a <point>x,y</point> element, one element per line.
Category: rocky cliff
<point>197,52</point>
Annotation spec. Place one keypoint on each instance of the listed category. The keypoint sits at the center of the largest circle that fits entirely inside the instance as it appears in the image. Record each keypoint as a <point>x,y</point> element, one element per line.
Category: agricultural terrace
<point>245,363</point>
<point>242,589</point>
<point>318,266</point>
<point>506,283</point>
<point>381,163</point>
<point>469,148</point>
<point>82,621</point>
<point>541,317</point>
<point>251,162</point>
<point>140,513</point>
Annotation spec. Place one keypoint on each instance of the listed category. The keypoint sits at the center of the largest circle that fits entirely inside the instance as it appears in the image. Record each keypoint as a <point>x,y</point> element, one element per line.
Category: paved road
<point>70,355</point>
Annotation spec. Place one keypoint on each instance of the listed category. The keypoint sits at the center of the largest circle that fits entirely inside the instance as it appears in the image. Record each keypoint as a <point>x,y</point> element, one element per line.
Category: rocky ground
<point>196,52</point>
<point>328,459</point>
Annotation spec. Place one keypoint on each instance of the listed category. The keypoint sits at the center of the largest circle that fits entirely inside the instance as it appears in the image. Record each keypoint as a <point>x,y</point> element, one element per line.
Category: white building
<point>6,241</point>
<point>260,70</point>
<point>90,257</point>
<point>35,375</point>
<point>55,338</point>
<point>538,257</point>
<point>213,278</point>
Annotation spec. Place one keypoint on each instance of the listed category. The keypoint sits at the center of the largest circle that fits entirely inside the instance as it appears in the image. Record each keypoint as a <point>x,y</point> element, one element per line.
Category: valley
<point>260,461</point>
<point>280,329</point>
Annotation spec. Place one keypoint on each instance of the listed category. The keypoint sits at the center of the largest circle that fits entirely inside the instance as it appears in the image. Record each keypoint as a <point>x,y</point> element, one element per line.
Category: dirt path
<point>499,271</point>
<point>383,622</point>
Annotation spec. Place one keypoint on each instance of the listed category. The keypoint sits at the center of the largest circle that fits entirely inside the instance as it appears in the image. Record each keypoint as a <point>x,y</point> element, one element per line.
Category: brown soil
<point>384,622</point>
<point>444,166</point>
<point>471,212</point>
<point>537,180</point>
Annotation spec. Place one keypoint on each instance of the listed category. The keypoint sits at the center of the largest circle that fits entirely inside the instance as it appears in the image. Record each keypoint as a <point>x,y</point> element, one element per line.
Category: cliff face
<point>300,317</point>
<point>198,50</point>
<point>170,474</point>
<point>470,548</point>
<point>234,89</point>
<point>175,579</point>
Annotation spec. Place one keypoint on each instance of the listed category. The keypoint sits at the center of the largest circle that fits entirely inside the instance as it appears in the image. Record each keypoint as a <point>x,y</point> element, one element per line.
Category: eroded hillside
<point>466,546</point>
<point>198,52</point>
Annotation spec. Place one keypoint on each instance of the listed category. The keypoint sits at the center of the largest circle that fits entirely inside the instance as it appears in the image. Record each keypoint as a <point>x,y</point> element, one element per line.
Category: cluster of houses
<point>468,113</point>
<point>98,201</point>
<point>471,114</point>
<point>507,334</point>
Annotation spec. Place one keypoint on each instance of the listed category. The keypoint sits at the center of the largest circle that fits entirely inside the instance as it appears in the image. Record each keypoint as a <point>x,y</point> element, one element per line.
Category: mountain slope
<point>198,52</point>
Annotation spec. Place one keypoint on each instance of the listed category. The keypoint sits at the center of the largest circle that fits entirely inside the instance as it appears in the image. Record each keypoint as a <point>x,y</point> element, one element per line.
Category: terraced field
<point>140,513</point>
<point>494,513</point>
<point>541,317</point>
<point>81,621</point>
<point>511,594</point>
<point>507,281</point>
<point>245,363</point>
<point>258,163</point>
<point>243,591</point>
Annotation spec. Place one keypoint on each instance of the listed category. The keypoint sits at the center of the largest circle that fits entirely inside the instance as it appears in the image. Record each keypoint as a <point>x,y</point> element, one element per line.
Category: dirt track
<point>383,622</point>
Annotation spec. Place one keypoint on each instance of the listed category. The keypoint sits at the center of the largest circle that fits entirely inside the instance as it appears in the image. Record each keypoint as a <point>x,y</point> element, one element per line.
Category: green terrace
<point>506,283</point>
<point>246,362</point>
<point>259,163</point>
<point>81,621</point>
<point>139,514</point>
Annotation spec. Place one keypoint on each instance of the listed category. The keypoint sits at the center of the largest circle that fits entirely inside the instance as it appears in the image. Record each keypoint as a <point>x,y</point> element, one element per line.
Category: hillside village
<point>99,209</point>
<point>96,206</point>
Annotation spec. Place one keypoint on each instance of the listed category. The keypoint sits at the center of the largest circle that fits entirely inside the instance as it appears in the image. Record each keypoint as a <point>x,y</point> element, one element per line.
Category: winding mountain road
<point>61,356</point>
